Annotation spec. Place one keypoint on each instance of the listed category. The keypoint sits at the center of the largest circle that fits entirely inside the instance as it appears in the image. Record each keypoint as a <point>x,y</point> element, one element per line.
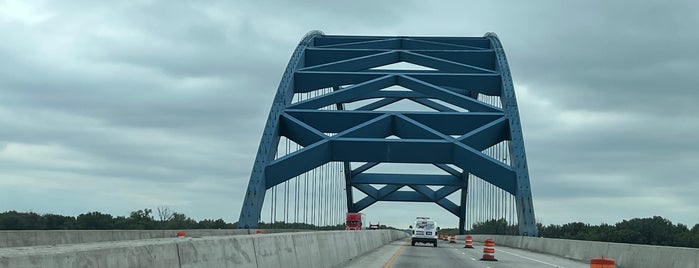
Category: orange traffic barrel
<point>601,263</point>
<point>469,242</point>
<point>452,239</point>
<point>489,250</point>
<point>180,234</point>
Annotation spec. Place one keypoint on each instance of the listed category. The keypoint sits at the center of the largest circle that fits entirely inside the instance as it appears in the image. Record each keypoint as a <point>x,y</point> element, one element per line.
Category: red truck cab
<point>355,221</point>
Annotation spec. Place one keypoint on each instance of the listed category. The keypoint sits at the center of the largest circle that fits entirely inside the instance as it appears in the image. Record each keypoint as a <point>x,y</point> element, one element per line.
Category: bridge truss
<point>348,104</point>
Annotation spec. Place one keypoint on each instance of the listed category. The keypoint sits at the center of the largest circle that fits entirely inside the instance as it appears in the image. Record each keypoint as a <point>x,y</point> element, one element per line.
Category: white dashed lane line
<point>531,259</point>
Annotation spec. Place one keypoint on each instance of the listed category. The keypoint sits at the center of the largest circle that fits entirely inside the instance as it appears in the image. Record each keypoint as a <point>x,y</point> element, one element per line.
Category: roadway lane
<point>400,254</point>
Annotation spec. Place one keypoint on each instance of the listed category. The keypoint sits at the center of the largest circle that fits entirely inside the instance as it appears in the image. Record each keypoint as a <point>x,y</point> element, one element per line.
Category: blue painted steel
<point>525,204</point>
<point>452,137</point>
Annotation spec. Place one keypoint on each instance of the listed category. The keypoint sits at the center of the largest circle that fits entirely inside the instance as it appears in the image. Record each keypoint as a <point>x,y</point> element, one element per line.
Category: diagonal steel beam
<point>378,104</point>
<point>298,131</point>
<point>317,56</point>
<point>407,179</point>
<point>485,167</point>
<point>441,64</point>
<point>432,45</point>
<point>391,43</point>
<point>297,163</point>
<point>357,64</point>
<point>445,95</point>
<point>347,94</point>
<point>488,135</point>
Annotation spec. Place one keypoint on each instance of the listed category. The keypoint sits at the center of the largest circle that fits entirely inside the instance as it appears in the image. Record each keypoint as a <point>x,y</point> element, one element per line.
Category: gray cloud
<point>120,106</point>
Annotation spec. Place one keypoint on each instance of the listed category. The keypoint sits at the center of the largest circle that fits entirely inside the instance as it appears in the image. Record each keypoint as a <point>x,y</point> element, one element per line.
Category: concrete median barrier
<point>295,249</point>
<point>626,255</point>
<point>28,238</point>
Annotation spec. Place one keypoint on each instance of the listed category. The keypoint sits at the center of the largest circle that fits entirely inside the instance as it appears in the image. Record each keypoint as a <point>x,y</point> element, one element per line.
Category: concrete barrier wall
<point>302,249</point>
<point>55,237</point>
<point>626,255</point>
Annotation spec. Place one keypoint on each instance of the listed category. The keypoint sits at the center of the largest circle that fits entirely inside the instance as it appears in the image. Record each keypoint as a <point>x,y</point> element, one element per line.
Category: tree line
<point>137,220</point>
<point>648,231</point>
<point>144,219</point>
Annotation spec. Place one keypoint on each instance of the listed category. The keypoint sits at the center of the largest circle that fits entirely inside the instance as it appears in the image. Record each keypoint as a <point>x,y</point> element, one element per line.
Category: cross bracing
<point>342,101</point>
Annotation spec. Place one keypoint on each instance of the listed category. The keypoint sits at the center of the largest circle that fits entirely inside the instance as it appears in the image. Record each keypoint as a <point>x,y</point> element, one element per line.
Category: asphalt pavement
<point>401,254</point>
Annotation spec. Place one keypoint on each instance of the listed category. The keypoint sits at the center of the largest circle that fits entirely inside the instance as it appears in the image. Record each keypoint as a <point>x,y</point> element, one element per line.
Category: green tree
<point>211,224</point>
<point>94,221</point>
<point>499,226</point>
<point>180,221</point>
<point>142,219</point>
<point>58,222</point>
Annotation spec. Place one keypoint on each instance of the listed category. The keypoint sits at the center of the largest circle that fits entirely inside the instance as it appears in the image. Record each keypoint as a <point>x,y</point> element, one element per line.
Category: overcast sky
<point>115,106</point>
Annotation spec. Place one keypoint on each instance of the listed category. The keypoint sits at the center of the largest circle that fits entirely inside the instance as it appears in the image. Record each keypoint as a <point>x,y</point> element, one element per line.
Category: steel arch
<point>455,133</point>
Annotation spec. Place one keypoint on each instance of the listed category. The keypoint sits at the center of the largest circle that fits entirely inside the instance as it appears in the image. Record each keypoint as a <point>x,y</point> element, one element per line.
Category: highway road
<point>400,254</point>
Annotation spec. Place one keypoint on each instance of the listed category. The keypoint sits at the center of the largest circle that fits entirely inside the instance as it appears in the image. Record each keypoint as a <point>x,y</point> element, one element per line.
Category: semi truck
<point>355,221</point>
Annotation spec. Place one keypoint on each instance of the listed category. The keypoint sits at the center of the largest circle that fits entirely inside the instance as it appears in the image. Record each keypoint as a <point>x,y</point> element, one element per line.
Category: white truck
<point>424,231</point>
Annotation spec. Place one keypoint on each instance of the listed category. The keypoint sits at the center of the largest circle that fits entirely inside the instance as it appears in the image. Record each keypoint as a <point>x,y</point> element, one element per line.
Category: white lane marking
<point>524,257</point>
<point>473,259</point>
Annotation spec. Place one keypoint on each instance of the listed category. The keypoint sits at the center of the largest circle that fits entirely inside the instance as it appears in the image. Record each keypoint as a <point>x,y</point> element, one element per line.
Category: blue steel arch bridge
<point>348,105</point>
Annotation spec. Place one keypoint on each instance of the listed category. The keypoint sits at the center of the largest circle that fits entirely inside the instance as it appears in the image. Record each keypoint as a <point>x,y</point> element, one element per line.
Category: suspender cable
<point>470,200</point>
<point>469,190</point>
<point>326,214</point>
<point>305,197</point>
<point>296,187</point>
<point>328,185</point>
<point>305,181</point>
<point>319,217</point>
<point>324,195</point>
<point>326,202</point>
<point>274,196</point>
<point>286,189</point>
<point>318,193</point>
<point>479,210</point>
<point>297,181</point>
<point>481,199</point>
<point>492,201</point>
<point>333,194</point>
<point>496,155</point>
<point>340,193</point>
<point>313,197</point>
<point>338,190</point>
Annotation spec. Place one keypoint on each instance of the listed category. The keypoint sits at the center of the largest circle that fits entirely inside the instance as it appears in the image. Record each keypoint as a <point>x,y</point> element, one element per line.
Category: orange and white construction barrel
<point>489,250</point>
<point>469,242</point>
